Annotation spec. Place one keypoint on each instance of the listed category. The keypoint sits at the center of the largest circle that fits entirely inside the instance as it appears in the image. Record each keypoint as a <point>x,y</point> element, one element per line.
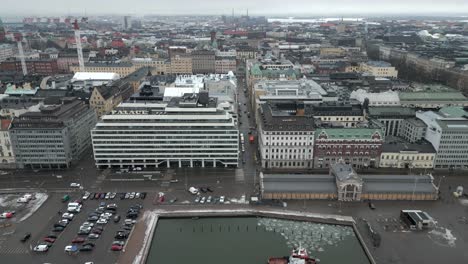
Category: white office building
<point>191,131</point>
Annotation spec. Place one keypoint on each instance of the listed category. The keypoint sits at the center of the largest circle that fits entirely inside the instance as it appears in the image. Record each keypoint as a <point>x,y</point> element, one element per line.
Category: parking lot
<point>12,248</point>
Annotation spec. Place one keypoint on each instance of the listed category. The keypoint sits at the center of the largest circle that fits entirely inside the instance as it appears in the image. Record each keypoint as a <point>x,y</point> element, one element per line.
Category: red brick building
<point>36,66</point>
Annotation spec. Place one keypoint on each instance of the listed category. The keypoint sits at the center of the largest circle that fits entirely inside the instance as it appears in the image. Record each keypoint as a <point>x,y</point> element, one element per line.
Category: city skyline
<point>274,7</point>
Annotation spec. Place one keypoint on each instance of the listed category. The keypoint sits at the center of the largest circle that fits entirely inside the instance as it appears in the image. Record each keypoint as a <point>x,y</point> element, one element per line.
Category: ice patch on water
<point>312,236</point>
<point>442,236</point>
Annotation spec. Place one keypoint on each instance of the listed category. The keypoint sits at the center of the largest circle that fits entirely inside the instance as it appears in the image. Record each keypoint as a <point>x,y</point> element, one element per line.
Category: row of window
<point>403,157</point>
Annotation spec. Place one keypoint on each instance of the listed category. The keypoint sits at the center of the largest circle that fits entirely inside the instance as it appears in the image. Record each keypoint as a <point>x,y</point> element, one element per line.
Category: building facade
<point>447,131</point>
<point>379,69</point>
<point>53,138</point>
<point>203,61</point>
<point>344,184</point>
<point>225,61</point>
<point>392,117</point>
<point>285,139</point>
<point>34,66</point>
<point>6,51</point>
<point>181,64</point>
<point>193,131</point>
<point>412,130</point>
<point>106,97</point>
<point>360,147</point>
<point>404,155</point>
<point>123,68</point>
<point>7,156</point>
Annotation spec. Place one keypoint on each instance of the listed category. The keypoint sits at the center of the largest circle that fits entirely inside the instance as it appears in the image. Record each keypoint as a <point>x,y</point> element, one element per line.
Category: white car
<point>193,190</point>
<point>101,221</point>
<point>41,248</point>
<point>203,199</point>
<point>75,185</point>
<point>22,200</point>
<point>87,224</point>
<point>68,216</point>
<point>86,195</point>
<point>221,199</point>
<point>70,248</point>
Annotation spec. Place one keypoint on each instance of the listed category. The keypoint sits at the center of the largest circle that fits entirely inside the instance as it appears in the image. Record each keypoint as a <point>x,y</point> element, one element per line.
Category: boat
<point>298,256</point>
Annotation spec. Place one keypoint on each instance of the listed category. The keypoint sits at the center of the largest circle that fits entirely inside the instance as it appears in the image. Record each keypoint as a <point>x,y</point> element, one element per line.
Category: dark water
<point>249,240</point>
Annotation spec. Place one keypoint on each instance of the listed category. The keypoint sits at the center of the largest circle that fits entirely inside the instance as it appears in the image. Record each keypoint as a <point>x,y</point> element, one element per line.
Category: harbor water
<point>250,240</point>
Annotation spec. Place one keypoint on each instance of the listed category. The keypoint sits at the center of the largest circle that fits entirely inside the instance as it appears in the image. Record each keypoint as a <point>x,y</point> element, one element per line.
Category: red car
<point>49,239</point>
<point>116,247</point>
<point>78,240</point>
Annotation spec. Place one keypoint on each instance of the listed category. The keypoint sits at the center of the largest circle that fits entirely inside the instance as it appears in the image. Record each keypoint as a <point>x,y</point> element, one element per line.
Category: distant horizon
<point>5,17</point>
<point>307,8</point>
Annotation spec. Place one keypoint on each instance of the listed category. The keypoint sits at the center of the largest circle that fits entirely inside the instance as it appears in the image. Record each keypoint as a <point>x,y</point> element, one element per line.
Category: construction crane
<point>79,49</point>
<point>19,38</point>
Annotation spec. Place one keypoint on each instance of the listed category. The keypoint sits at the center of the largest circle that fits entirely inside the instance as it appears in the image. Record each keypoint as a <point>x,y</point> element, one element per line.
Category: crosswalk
<point>14,248</point>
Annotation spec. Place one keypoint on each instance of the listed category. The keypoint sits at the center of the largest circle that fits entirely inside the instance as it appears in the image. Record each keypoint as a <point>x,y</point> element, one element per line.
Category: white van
<point>22,200</point>
<point>74,207</point>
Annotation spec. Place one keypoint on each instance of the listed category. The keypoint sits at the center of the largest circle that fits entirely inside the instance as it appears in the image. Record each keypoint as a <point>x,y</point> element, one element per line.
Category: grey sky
<point>286,7</point>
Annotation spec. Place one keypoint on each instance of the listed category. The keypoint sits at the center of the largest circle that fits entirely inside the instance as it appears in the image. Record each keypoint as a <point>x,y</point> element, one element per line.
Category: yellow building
<point>397,153</point>
<point>105,98</point>
<point>158,66</point>
<point>332,52</point>
<point>181,64</point>
<point>379,69</point>
<point>123,68</point>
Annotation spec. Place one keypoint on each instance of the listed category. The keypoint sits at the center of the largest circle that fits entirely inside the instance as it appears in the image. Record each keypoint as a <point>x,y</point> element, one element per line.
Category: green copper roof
<point>453,111</point>
<point>437,96</point>
<point>348,133</point>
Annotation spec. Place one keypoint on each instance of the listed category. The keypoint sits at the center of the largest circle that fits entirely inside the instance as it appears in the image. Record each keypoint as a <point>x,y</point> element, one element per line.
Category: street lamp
<point>440,181</point>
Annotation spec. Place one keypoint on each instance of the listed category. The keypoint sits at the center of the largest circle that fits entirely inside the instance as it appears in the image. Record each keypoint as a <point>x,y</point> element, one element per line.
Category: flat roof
<point>298,183</point>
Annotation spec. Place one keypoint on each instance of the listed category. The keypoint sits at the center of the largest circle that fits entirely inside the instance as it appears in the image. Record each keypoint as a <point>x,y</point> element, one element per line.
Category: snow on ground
<point>34,205</point>
<point>442,236</point>
<point>149,218</point>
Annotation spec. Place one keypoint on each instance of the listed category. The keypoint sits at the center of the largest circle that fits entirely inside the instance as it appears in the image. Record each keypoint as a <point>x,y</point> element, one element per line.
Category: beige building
<point>181,64</point>
<point>105,98</point>
<point>332,52</point>
<point>402,154</point>
<point>158,66</point>
<point>379,69</point>
<point>123,68</point>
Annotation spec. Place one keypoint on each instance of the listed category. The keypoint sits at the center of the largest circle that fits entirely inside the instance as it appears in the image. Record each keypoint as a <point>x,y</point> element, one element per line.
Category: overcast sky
<point>285,7</point>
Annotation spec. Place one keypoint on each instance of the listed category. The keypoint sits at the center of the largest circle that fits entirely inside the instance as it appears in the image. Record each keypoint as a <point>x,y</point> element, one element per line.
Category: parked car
<point>122,196</point>
<point>93,236</point>
<point>116,247</point>
<point>93,218</point>
<point>118,242</point>
<point>221,199</point>
<point>58,229</point>
<point>116,218</point>
<point>97,231</point>
<point>87,248</point>
<point>143,195</point>
<point>102,196</point>
<point>68,216</point>
<point>65,198</point>
<point>48,239</point>
<point>112,195</point>
<point>197,200</point>
<point>71,248</point>
<point>208,200</point>
<point>101,221</point>
<point>203,199</point>
<point>75,185</point>
<point>41,248</point>
<point>78,240</point>
<point>137,195</point>
<point>25,237</point>
<point>193,190</point>
<point>97,195</point>
<point>86,195</point>
<point>127,196</point>
<point>371,205</point>
<point>209,189</point>
<point>52,235</point>
<point>132,195</point>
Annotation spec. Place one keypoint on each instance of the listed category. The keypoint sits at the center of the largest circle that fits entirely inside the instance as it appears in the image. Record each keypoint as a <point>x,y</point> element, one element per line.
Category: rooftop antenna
<point>247,12</point>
